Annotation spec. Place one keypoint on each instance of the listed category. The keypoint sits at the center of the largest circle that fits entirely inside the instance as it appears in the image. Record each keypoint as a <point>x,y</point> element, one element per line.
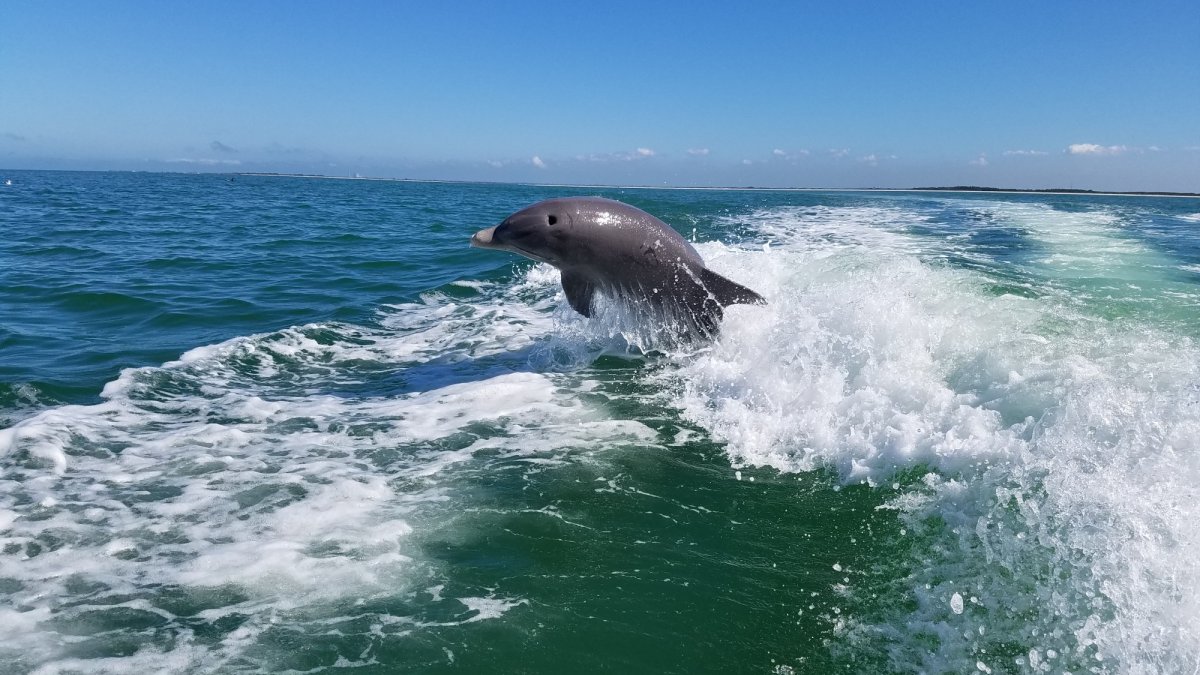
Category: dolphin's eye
<point>552,220</point>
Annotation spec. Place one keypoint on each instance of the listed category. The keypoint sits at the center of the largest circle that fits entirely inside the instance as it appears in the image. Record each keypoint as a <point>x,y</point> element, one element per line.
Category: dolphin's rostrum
<point>608,247</point>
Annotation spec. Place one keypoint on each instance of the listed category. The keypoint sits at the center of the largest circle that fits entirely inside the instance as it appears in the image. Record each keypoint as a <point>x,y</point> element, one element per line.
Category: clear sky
<point>1101,95</point>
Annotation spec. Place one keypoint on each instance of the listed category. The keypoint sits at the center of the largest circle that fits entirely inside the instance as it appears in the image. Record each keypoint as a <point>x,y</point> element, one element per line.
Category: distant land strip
<point>977,188</point>
<point>952,188</point>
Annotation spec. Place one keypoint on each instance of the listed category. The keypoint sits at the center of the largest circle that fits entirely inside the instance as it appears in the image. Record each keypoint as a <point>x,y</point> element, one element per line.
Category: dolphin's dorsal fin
<point>579,292</point>
<point>725,291</point>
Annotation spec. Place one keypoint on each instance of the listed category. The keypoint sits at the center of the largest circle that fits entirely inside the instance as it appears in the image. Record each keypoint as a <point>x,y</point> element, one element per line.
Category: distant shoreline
<point>954,188</point>
<point>1055,191</point>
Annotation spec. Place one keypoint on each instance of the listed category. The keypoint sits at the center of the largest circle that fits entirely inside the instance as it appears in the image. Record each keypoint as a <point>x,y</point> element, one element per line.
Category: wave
<point>278,479</point>
<point>1048,460</point>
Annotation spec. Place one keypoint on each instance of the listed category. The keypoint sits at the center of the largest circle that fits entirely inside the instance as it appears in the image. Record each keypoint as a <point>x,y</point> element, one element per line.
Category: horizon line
<point>972,189</point>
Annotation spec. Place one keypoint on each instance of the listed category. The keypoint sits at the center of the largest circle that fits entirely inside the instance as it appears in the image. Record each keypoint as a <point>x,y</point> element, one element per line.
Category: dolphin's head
<point>540,232</point>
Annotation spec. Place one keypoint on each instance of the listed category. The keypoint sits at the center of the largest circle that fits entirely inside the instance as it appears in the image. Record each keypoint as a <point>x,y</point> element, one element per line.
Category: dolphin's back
<point>608,232</point>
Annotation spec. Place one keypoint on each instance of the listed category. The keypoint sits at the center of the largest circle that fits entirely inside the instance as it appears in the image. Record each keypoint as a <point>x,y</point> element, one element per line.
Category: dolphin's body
<point>605,246</point>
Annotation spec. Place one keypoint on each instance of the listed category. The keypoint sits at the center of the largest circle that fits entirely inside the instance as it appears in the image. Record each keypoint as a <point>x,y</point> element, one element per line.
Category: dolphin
<point>629,256</point>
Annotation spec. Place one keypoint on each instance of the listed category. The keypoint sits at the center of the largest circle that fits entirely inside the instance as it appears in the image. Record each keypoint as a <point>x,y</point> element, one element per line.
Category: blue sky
<point>823,94</point>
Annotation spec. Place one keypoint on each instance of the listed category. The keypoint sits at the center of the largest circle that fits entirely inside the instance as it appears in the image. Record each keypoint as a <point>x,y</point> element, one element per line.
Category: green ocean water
<point>269,424</point>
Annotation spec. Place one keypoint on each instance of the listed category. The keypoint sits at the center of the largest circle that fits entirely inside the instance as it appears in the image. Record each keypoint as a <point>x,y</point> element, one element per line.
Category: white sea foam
<point>489,608</point>
<point>244,476</point>
<point>1062,449</point>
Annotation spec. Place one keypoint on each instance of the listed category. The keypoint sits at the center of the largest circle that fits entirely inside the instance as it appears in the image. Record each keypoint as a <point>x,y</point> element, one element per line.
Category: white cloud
<point>981,160</point>
<point>1154,148</point>
<point>790,156</point>
<point>1093,149</point>
<point>636,154</point>
<point>1025,153</point>
<point>839,152</point>
<point>698,152</point>
<point>277,149</point>
<point>874,159</point>
<point>495,163</point>
<point>537,161</point>
<point>747,162</point>
<point>205,162</point>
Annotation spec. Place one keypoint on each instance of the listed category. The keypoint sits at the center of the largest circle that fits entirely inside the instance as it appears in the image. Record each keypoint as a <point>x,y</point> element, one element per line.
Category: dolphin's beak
<point>484,238</point>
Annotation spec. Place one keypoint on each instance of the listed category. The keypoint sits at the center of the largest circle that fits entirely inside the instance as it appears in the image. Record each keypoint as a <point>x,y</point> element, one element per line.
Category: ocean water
<point>272,424</point>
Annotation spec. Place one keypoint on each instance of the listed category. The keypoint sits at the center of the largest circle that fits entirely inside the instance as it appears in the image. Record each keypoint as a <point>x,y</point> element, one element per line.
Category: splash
<point>275,480</point>
<point>1047,458</point>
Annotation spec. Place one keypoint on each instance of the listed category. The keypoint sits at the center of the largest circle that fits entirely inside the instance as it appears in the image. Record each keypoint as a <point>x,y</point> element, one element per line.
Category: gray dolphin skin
<point>609,247</point>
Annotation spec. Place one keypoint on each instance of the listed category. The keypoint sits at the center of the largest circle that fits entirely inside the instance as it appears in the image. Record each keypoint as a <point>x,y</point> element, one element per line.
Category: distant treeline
<point>979,188</point>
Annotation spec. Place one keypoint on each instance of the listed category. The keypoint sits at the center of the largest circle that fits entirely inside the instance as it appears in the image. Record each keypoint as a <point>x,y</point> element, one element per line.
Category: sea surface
<point>273,424</point>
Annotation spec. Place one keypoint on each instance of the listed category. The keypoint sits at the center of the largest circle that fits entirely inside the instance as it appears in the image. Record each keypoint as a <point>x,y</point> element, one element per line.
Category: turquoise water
<point>273,424</point>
